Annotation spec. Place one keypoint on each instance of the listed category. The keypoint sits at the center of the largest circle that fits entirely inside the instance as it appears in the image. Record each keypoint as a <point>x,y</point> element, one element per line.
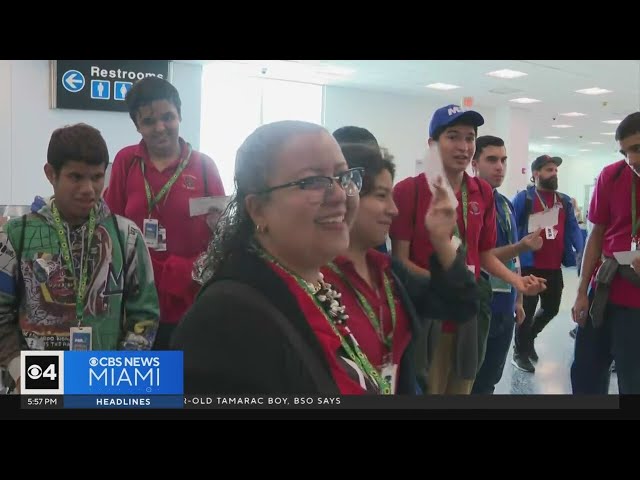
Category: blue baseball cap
<point>445,116</point>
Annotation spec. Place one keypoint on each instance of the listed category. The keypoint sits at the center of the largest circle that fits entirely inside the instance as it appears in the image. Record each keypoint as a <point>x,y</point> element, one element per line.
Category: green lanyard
<point>505,224</point>
<point>635,221</point>
<point>151,203</point>
<point>80,289</point>
<point>351,346</point>
<point>465,202</point>
<point>376,323</point>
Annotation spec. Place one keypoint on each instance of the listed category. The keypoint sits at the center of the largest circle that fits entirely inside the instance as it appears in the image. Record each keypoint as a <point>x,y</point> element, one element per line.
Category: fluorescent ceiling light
<point>553,137</point>
<point>574,114</point>
<point>562,126</point>
<point>596,143</point>
<point>593,91</point>
<point>524,100</point>
<point>506,73</point>
<point>442,86</point>
<point>584,150</point>
<point>608,133</point>
<point>612,122</point>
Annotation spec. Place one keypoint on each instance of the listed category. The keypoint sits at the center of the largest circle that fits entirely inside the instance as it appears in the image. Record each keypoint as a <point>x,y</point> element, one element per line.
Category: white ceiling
<point>554,82</point>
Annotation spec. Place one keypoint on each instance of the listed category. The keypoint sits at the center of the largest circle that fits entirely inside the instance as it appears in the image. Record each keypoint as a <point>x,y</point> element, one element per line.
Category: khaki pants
<point>442,377</point>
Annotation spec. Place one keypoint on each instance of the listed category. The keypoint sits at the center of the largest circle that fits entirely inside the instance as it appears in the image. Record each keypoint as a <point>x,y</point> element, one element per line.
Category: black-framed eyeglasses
<point>350,181</point>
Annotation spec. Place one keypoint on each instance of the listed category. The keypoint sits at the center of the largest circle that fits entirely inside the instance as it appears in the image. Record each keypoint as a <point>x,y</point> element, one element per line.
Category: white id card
<point>80,339</point>
<point>162,239</point>
<point>548,218</point>
<point>550,233</point>
<point>150,232</point>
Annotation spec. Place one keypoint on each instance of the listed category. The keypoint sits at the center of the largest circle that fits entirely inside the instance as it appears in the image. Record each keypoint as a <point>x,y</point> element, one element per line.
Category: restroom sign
<point>100,84</point>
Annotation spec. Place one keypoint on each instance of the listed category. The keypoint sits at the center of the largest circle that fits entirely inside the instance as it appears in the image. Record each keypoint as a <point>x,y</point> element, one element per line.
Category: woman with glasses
<point>387,304</point>
<point>265,321</point>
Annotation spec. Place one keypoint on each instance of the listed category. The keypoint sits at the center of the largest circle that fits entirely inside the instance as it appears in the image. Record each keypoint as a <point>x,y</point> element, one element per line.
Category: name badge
<point>150,229</point>
<point>162,239</point>
<point>500,286</point>
<point>80,339</point>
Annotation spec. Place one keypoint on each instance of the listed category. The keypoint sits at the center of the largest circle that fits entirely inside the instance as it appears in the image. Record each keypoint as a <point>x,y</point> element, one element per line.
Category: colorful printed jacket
<point>37,297</point>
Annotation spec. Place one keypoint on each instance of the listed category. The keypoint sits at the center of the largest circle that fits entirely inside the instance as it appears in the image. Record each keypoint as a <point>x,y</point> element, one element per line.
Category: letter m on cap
<point>453,110</point>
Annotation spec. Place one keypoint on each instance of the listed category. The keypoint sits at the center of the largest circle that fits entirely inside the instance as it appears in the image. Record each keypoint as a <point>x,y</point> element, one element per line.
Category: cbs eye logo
<point>42,372</point>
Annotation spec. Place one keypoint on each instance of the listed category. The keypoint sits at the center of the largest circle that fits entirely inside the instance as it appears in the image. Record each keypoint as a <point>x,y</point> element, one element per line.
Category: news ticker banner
<point>353,402</point>
<point>102,379</point>
<point>154,379</point>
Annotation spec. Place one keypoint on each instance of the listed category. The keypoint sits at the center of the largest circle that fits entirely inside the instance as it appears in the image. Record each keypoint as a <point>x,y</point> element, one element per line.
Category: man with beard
<point>561,240</point>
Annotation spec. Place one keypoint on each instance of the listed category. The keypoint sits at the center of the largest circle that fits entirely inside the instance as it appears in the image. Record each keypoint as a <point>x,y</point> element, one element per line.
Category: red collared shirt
<point>413,197</point>
<point>611,207</point>
<point>362,328</point>
<point>549,257</point>
<point>187,237</point>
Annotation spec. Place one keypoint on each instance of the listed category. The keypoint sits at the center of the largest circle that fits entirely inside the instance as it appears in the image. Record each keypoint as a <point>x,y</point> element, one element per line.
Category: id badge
<point>635,244</point>
<point>389,373</point>
<point>456,242</point>
<point>550,233</point>
<point>500,286</point>
<point>80,339</point>
<point>162,239</point>
<point>150,232</point>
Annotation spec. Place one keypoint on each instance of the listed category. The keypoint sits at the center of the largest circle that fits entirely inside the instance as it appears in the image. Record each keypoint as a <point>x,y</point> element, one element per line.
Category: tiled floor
<point>555,349</point>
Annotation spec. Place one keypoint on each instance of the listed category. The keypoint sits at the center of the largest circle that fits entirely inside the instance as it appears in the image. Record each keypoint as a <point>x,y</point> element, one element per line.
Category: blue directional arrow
<point>73,81</point>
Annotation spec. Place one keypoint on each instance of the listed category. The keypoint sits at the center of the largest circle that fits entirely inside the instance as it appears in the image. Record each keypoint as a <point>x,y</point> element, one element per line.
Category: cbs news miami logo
<point>101,372</point>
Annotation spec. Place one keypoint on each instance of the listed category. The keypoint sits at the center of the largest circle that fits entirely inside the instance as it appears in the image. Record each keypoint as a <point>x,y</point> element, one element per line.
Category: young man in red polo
<point>607,306</point>
<point>457,353</point>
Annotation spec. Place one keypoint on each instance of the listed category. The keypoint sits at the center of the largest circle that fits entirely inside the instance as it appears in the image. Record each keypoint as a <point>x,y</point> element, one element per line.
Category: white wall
<point>27,121</point>
<point>399,122</point>
<point>576,172</point>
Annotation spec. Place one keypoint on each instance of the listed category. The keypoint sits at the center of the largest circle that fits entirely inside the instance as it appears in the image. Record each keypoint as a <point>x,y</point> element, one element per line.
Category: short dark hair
<point>371,159</point>
<point>461,121</point>
<point>148,90</point>
<point>629,126</point>
<point>80,143</point>
<point>486,141</point>
<point>351,134</point>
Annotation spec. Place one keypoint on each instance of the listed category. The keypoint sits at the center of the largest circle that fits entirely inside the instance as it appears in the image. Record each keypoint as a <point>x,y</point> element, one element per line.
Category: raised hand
<point>440,220</point>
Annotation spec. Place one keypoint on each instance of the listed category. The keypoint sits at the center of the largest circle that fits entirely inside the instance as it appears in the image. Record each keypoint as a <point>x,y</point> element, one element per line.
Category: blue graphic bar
<point>145,373</point>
